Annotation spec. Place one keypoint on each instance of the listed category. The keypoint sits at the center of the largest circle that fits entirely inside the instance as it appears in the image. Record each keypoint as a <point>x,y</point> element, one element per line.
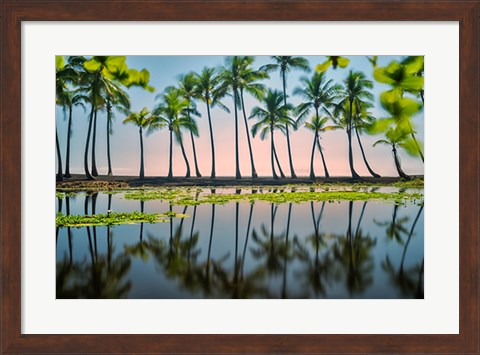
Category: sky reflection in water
<point>335,249</point>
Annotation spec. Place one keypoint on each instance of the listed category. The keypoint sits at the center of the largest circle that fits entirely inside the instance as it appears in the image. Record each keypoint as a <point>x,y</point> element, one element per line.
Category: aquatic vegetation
<point>114,218</point>
<point>184,197</point>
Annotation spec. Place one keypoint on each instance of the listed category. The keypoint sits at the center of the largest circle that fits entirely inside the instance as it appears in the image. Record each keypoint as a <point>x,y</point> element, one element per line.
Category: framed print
<point>154,240</point>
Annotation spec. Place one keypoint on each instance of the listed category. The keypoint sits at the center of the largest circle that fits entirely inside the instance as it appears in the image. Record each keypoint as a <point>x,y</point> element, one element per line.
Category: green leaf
<point>59,62</point>
<point>380,125</point>
<point>113,62</point>
<point>413,83</point>
<point>382,76</point>
<point>92,65</point>
<point>324,66</point>
<point>343,62</point>
<point>413,64</point>
<point>410,147</point>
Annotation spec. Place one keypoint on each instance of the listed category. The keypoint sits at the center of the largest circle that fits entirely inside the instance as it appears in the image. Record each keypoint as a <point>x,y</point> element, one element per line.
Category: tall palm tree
<point>396,137</point>
<point>104,73</point>
<point>362,121</point>
<point>285,64</point>
<point>170,113</point>
<point>318,93</point>
<point>65,75</point>
<point>209,91</point>
<point>187,88</point>
<point>317,125</point>
<point>274,115</point>
<point>230,75</point>
<point>119,100</point>
<point>142,120</point>
<point>354,91</point>
<point>249,83</point>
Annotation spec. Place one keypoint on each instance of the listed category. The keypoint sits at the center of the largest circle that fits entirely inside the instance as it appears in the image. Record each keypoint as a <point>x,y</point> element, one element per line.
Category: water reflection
<point>244,250</point>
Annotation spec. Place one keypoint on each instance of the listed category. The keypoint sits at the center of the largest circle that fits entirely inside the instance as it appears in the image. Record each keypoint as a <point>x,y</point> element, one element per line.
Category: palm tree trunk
<point>109,123</point>
<point>235,259</point>
<point>312,172</point>
<point>142,172</point>
<point>373,173</point>
<point>272,149</point>
<point>416,143</point>
<point>85,157</point>
<point>247,233</point>
<point>69,132</point>
<point>285,259</point>
<point>187,175</point>
<point>409,238</point>
<point>237,161</point>
<point>207,268</point>
<point>327,175</point>
<point>59,158</point>
<point>278,162</point>
<point>252,163</point>
<point>355,176</point>
<point>197,171</point>
<point>94,139</point>
<point>212,174</point>
<point>398,166</point>
<point>170,173</point>
<point>292,171</point>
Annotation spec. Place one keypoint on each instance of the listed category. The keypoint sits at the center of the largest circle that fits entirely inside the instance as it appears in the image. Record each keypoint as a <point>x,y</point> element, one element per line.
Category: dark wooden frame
<point>14,12</point>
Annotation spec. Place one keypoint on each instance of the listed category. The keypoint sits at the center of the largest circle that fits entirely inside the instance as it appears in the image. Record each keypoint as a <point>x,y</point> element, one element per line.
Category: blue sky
<point>164,72</point>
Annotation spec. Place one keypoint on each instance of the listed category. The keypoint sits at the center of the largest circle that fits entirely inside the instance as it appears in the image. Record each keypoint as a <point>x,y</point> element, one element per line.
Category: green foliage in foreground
<point>114,218</point>
<point>185,199</point>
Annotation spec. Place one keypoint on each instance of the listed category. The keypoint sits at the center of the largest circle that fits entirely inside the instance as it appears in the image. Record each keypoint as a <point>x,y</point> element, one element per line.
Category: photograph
<point>239,177</point>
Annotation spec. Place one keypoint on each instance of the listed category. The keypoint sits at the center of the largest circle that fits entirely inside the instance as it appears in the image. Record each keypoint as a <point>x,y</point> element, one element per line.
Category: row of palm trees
<point>335,106</point>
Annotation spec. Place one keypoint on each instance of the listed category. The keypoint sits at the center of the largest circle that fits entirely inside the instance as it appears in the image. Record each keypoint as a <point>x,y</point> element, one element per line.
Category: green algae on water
<point>114,218</point>
<point>183,197</point>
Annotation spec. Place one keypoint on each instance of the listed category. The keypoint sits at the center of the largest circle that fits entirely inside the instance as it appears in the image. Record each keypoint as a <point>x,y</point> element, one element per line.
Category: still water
<point>339,249</point>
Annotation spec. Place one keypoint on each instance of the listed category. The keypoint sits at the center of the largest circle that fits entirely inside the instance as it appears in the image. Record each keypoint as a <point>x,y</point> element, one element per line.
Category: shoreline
<point>112,182</point>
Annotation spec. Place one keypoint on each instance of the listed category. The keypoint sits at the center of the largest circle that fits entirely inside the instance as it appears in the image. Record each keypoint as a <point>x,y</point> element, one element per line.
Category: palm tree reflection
<point>354,253</point>
<point>408,280</point>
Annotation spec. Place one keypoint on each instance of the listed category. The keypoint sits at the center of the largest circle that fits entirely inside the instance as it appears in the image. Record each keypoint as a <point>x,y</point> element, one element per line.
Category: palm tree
<point>117,99</point>
<point>65,74</point>
<point>354,92</point>
<point>362,121</point>
<point>104,73</point>
<point>248,82</point>
<point>285,64</point>
<point>142,120</point>
<point>316,125</point>
<point>396,137</point>
<point>187,88</point>
<point>230,75</point>
<point>170,113</point>
<point>274,115</point>
<point>318,93</point>
<point>209,91</point>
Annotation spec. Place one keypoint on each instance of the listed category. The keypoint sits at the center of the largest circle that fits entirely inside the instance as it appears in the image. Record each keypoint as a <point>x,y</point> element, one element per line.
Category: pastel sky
<point>164,72</point>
